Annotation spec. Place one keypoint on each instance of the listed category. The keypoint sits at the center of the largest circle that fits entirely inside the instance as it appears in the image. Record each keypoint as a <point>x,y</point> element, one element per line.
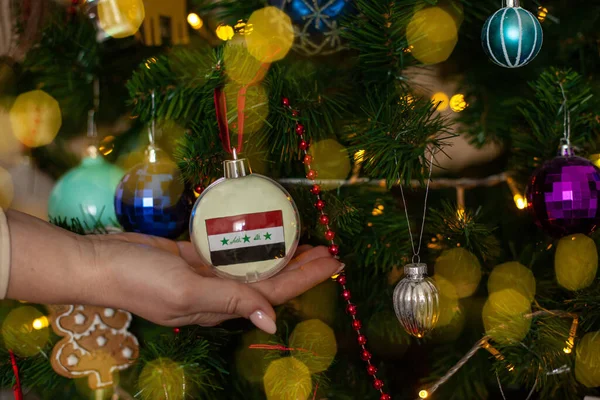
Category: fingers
<point>307,255</point>
<point>188,252</point>
<point>291,283</point>
<point>233,298</point>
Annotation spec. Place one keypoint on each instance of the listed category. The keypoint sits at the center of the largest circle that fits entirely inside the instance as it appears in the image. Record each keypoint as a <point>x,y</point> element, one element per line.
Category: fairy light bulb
<point>423,394</point>
<point>195,21</point>
<point>224,32</point>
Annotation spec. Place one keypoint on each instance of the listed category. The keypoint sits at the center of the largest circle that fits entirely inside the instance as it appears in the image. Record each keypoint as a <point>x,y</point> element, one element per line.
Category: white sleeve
<point>4,255</point>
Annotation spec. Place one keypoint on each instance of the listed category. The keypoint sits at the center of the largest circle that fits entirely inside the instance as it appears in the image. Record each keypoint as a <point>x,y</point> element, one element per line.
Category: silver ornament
<point>416,300</point>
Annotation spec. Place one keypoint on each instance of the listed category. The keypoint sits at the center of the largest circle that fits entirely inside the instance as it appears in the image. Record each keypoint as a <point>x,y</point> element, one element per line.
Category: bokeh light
<point>587,360</point>
<point>461,268</point>
<point>40,323</point>
<point>243,28</point>
<point>448,300</point>
<point>7,189</point>
<point>120,18</point>
<point>520,201</point>
<point>504,316</point>
<point>458,103</point>
<point>19,333</point>
<point>331,159</point>
<point>224,32</point>
<point>272,34</point>
<point>256,107</point>
<point>441,100</point>
<point>432,34</point>
<point>542,13</point>
<point>319,302</point>
<point>195,21</point>
<point>252,364</point>
<point>163,378</point>
<point>35,118</point>
<point>240,66</point>
<point>287,379</point>
<point>315,345</point>
<point>513,275</point>
<point>576,262</point>
<point>423,394</point>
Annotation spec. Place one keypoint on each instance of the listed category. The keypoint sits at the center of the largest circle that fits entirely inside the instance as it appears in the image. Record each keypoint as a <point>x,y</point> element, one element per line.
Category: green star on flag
<point>246,238</point>
<point>225,241</point>
<point>267,236</point>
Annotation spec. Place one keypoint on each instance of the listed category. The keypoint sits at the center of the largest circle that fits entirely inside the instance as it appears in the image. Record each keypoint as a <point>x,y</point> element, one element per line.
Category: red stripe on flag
<point>244,222</point>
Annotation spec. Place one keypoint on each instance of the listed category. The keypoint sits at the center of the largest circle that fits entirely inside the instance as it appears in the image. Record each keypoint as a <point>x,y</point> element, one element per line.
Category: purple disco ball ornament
<point>562,195</point>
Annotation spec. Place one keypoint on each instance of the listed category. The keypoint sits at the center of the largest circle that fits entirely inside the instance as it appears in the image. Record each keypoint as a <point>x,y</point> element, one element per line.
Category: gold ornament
<point>432,34</point>
<point>287,379</point>
<point>576,262</point>
<point>587,360</point>
<point>35,118</point>
<point>272,34</point>
<point>25,331</point>
<point>504,316</point>
<point>314,344</point>
<point>121,18</point>
<point>512,275</point>
<point>461,268</point>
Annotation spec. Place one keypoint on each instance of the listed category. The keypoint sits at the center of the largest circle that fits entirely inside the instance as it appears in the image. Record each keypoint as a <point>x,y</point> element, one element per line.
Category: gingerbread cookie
<point>95,343</point>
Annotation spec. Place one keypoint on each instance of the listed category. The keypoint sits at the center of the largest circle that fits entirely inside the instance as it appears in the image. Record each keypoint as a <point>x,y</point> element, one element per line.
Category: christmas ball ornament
<point>504,316</point>
<point>576,262</point>
<point>587,359</point>
<point>512,275</point>
<point>86,193</point>
<point>245,225</point>
<point>416,301</point>
<point>152,198</point>
<point>35,118</point>
<point>512,36</point>
<point>562,196</point>
<point>461,268</point>
<point>316,343</point>
<point>316,24</point>
<point>287,379</point>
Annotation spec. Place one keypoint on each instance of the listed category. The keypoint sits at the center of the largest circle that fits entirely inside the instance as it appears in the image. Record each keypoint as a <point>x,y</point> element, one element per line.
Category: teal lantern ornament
<point>86,193</point>
<point>512,36</point>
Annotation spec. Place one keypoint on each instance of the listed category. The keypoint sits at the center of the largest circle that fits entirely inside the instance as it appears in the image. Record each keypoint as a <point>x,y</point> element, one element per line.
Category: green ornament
<point>87,193</point>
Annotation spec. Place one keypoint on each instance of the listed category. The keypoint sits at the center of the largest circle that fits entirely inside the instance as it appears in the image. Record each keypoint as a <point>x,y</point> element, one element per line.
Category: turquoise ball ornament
<point>86,193</point>
<point>512,36</point>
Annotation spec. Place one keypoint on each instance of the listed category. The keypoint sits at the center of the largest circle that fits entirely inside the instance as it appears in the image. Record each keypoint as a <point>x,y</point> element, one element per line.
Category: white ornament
<point>245,225</point>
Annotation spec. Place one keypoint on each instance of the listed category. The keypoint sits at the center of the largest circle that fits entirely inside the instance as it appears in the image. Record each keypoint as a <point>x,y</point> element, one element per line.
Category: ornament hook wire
<point>152,128</point>
<point>410,235</point>
<point>567,117</point>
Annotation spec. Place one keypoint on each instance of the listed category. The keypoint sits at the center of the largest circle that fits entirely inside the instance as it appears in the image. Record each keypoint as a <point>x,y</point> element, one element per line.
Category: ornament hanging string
<point>567,117</point>
<point>18,392</point>
<point>152,128</point>
<point>416,259</point>
<point>220,100</point>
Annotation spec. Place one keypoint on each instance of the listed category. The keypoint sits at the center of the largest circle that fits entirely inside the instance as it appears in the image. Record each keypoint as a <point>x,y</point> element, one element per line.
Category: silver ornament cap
<point>416,300</point>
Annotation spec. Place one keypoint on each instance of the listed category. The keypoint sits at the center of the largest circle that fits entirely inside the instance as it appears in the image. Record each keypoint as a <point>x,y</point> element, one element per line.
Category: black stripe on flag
<point>248,254</point>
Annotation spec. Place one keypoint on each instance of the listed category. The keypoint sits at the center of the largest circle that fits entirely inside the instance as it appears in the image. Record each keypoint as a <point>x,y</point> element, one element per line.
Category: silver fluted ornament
<point>416,301</point>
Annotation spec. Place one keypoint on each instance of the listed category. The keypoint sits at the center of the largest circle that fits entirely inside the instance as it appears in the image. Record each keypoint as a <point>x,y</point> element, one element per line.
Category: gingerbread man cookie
<point>95,343</point>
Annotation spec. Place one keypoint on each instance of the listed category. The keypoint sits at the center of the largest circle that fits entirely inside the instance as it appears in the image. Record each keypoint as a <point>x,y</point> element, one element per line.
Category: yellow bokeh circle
<point>330,159</point>
<point>240,66</point>
<point>504,316</point>
<point>250,363</point>
<point>461,268</point>
<point>441,100</point>
<point>256,107</point>
<point>163,378</point>
<point>587,360</point>
<point>287,379</point>
<point>314,344</point>
<point>458,102</point>
<point>512,275</point>
<point>35,118</point>
<point>432,34</point>
<point>20,333</point>
<point>576,262</point>
<point>120,18</point>
<point>224,32</point>
<point>448,301</point>
<point>272,34</point>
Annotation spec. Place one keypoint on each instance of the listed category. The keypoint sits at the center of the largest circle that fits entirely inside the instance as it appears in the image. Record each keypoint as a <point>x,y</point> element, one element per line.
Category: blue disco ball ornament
<point>512,36</point>
<point>152,199</point>
<point>316,24</point>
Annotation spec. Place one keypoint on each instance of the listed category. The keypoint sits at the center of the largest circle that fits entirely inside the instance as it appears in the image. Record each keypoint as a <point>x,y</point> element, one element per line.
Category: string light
<point>542,13</point>
<point>40,323</point>
<point>493,351</point>
<point>441,99</point>
<point>458,102</point>
<point>195,21</point>
<point>224,32</point>
<point>423,394</point>
<point>243,28</point>
<point>520,201</point>
<point>572,333</point>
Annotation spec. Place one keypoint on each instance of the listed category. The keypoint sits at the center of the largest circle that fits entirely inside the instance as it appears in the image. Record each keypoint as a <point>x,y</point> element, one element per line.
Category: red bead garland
<point>198,189</point>
<point>351,308</point>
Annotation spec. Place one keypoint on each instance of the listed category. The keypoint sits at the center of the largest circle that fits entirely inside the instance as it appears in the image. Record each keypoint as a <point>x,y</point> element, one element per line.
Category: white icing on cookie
<point>79,319</point>
<point>127,353</point>
<point>72,360</point>
<point>109,312</point>
<point>101,340</point>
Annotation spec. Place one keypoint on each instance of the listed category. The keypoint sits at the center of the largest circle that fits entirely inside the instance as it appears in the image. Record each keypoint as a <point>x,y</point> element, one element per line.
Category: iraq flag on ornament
<point>246,238</point>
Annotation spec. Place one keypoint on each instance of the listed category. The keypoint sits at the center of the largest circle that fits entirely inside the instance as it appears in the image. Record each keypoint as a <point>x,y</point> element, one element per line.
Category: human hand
<point>166,282</point>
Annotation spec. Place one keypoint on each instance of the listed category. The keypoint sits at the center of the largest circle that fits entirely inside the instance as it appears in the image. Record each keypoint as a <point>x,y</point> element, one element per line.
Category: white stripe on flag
<point>235,240</point>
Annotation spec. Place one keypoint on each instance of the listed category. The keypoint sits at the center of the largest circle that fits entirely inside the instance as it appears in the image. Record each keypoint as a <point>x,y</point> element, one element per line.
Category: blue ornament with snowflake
<point>152,198</point>
<point>316,24</point>
<point>512,36</point>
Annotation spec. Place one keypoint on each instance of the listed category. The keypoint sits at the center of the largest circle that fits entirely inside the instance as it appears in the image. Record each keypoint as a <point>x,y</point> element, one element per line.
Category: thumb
<point>236,299</point>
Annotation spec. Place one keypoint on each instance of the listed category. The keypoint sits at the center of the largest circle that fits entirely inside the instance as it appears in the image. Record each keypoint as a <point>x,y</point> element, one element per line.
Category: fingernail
<point>263,322</point>
<point>341,268</point>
